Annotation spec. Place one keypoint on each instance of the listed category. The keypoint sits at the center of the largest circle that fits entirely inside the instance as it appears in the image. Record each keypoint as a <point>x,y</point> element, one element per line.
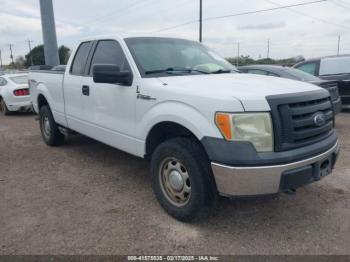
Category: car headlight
<point>252,127</point>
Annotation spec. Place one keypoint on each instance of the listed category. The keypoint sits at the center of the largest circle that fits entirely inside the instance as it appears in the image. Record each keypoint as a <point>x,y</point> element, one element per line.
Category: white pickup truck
<point>206,129</point>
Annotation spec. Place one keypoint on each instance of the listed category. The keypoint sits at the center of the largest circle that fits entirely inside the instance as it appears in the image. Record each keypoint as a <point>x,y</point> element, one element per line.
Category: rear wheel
<point>182,179</point>
<point>48,127</point>
<point>3,107</point>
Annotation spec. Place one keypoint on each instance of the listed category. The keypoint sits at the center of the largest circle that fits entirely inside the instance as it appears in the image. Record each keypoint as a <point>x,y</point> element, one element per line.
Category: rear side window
<point>3,82</point>
<point>109,52</point>
<point>335,66</point>
<point>20,80</point>
<point>80,59</point>
<point>309,68</point>
<point>257,72</point>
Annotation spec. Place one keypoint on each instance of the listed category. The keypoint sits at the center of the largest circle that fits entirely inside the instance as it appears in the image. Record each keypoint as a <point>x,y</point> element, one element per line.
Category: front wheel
<point>48,127</point>
<point>182,179</point>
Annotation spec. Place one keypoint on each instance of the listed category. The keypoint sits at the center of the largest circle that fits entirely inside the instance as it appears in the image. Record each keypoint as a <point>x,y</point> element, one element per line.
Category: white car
<point>14,93</point>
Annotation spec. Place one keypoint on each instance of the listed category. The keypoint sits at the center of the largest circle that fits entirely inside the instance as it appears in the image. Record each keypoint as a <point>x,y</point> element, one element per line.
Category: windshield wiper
<point>175,69</point>
<point>221,71</point>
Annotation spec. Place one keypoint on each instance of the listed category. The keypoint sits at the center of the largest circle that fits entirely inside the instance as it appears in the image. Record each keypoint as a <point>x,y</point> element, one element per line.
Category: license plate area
<point>323,168</point>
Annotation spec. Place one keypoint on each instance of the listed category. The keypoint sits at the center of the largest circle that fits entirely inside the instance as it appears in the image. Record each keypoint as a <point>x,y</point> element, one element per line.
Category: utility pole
<point>338,45</point>
<point>49,33</point>
<point>11,56</point>
<point>0,59</point>
<point>30,52</point>
<point>200,20</point>
<point>238,46</point>
<point>268,48</point>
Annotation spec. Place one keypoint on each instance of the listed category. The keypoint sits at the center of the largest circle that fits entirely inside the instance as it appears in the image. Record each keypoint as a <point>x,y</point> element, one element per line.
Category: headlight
<point>252,127</point>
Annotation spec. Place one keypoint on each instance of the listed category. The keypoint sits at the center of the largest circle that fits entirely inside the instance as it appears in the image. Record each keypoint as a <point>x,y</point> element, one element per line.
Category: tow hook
<point>291,191</point>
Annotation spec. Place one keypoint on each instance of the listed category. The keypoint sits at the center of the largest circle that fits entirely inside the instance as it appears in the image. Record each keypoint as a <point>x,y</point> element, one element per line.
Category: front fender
<point>180,113</point>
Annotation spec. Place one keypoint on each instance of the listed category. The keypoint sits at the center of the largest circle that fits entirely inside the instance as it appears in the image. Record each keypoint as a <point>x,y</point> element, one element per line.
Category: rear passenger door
<point>109,109</point>
<point>73,87</point>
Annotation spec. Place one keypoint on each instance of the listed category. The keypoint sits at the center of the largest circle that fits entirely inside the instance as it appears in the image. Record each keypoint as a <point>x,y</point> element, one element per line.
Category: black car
<point>295,74</point>
<point>335,68</point>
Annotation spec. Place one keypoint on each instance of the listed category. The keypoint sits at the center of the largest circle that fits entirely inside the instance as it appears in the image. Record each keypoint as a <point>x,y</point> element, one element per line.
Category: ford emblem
<point>319,119</point>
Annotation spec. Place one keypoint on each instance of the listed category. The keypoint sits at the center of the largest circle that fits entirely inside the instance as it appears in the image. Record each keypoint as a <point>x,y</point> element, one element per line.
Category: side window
<point>80,59</point>
<point>309,68</point>
<point>272,74</point>
<point>257,72</point>
<point>3,81</point>
<point>335,66</point>
<point>109,52</point>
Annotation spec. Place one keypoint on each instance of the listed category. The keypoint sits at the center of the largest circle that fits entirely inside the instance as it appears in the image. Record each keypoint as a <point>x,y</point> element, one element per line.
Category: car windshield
<point>167,56</point>
<point>20,80</point>
<point>300,75</point>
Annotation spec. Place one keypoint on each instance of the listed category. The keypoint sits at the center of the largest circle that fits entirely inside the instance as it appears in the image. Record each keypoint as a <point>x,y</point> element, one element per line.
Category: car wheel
<point>48,127</point>
<point>182,179</point>
<point>3,107</point>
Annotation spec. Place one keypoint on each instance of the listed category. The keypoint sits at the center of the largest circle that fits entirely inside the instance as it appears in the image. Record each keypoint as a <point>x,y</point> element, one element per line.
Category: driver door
<point>109,109</point>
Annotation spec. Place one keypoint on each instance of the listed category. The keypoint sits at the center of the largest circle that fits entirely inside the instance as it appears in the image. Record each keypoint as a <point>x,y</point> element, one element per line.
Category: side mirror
<point>111,74</point>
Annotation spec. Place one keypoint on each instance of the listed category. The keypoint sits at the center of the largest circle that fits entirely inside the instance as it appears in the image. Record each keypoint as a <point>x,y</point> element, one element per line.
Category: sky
<point>310,31</point>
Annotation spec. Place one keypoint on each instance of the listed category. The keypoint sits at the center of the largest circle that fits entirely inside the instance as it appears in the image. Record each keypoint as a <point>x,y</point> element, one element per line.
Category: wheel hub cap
<point>46,126</point>
<point>176,180</point>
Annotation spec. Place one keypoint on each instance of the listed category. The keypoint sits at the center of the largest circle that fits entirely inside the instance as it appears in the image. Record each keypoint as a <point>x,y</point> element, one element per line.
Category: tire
<point>3,107</point>
<point>48,127</point>
<point>180,165</point>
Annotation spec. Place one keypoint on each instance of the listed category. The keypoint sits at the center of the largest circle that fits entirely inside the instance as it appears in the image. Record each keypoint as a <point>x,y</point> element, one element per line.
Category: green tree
<point>38,56</point>
<point>64,54</point>
<point>19,62</point>
<point>246,60</point>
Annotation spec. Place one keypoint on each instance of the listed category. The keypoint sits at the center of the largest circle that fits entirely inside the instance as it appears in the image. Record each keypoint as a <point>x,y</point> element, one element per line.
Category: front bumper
<point>264,180</point>
<point>337,105</point>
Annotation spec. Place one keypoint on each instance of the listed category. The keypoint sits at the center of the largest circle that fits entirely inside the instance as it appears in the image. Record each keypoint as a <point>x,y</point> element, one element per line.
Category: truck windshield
<point>168,56</point>
<point>300,75</point>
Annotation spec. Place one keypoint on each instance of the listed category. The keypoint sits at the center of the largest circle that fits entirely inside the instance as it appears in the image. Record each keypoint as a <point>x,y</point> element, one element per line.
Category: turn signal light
<point>224,123</point>
<point>21,92</point>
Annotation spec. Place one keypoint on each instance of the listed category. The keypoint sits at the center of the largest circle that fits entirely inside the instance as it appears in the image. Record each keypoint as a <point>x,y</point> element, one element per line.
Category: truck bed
<point>50,83</point>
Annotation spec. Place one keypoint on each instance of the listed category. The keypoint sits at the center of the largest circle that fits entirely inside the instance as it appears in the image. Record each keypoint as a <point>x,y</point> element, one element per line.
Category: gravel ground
<point>88,198</point>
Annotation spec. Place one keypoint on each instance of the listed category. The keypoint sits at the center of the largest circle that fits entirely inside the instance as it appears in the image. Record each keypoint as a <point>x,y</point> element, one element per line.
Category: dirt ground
<point>88,198</point>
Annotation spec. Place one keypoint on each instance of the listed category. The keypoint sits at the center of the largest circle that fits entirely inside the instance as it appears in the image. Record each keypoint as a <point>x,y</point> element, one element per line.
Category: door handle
<point>85,90</point>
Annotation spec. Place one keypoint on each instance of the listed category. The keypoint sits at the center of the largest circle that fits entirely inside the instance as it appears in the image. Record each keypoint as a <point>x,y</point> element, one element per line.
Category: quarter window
<point>80,59</point>
<point>109,52</point>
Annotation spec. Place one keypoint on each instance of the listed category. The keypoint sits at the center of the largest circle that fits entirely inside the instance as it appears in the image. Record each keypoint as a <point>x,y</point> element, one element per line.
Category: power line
<point>263,10</point>
<point>310,16</point>
<point>113,14</point>
<point>239,14</point>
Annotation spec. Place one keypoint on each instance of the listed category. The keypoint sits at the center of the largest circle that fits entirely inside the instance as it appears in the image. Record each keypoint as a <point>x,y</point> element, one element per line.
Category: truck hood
<point>250,89</point>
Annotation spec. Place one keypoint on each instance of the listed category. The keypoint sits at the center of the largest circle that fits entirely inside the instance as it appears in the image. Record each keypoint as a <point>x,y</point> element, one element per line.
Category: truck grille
<point>301,119</point>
